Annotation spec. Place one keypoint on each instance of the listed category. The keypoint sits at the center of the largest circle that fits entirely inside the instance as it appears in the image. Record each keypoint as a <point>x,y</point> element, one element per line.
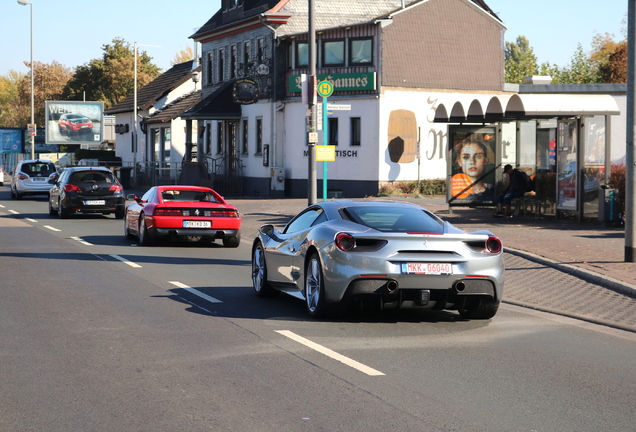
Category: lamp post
<point>25,2</point>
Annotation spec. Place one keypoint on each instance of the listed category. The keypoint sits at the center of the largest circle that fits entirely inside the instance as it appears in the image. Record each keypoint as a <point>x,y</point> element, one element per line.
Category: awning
<point>491,109</point>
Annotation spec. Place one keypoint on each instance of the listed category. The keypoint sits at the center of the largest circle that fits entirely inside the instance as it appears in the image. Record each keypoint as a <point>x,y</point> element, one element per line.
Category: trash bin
<point>124,177</point>
<point>607,204</point>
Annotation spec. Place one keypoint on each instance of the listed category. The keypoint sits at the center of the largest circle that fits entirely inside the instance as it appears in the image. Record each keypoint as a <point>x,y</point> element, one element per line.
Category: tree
<point>15,93</point>
<point>520,61</point>
<point>111,78</point>
<point>182,56</point>
<point>581,70</point>
<point>610,57</point>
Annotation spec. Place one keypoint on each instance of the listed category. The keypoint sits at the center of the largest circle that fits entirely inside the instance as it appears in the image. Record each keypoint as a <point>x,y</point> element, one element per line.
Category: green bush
<point>426,187</point>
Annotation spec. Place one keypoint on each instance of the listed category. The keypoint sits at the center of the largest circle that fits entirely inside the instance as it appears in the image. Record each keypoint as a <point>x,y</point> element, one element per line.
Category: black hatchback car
<point>87,190</point>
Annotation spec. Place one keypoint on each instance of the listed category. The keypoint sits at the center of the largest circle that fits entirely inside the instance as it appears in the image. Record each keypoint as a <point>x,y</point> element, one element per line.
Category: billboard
<point>472,165</point>
<point>73,122</point>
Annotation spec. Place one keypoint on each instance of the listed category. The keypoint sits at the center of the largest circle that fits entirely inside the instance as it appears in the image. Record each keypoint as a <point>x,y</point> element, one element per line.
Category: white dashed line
<point>31,220</point>
<point>195,292</point>
<point>125,261</point>
<point>51,228</point>
<point>13,212</point>
<point>329,353</point>
<point>79,239</point>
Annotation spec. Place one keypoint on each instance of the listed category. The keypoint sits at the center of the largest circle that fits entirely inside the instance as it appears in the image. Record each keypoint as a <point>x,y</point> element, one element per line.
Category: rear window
<point>187,196</point>
<point>394,219</point>
<point>41,168</point>
<point>97,177</point>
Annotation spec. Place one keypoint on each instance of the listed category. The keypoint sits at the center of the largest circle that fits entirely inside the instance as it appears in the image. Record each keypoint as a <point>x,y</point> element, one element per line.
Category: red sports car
<point>191,212</point>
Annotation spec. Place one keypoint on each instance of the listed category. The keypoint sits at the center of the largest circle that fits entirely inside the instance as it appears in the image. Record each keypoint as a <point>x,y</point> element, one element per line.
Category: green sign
<point>340,82</point>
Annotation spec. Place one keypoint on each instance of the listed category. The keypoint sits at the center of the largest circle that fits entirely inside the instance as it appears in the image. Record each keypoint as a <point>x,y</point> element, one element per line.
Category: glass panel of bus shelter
<point>567,170</point>
<point>545,180</point>
<point>528,147</point>
<point>594,160</point>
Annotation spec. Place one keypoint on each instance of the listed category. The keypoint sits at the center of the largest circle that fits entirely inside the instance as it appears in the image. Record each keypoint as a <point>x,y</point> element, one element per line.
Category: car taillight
<point>345,242</point>
<point>167,212</point>
<point>116,188</point>
<point>22,176</point>
<point>493,245</point>
<point>225,213</point>
<point>71,188</point>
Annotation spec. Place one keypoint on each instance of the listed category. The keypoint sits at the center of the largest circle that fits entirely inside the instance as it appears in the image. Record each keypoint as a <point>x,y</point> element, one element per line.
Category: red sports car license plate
<point>197,224</point>
<point>428,268</point>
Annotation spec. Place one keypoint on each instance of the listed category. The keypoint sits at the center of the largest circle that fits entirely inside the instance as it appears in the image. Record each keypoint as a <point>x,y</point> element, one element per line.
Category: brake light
<point>71,188</point>
<point>493,245</point>
<point>225,213</point>
<point>116,188</point>
<point>22,176</point>
<point>345,242</point>
<point>167,212</point>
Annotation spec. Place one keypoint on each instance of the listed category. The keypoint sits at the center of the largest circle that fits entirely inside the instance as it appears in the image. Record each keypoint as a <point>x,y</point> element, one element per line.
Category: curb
<point>587,275</point>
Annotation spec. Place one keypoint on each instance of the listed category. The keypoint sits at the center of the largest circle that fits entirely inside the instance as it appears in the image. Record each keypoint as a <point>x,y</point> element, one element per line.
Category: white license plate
<point>197,224</point>
<point>38,179</point>
<point>95,202</point>
<point>428,268</point>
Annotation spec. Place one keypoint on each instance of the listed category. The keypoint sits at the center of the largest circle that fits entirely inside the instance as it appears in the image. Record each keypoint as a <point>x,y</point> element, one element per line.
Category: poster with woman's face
<point>472,165</point>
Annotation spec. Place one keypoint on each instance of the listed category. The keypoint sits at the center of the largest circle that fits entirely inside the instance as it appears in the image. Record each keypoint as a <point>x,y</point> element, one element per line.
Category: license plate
<point>197,224</point>
<point>38,179</point>
<point>428,268</point>
<point>95,202</point>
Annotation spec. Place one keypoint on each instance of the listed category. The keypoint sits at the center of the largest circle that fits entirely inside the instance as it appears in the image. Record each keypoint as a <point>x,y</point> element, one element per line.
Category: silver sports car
<point>392,253</point>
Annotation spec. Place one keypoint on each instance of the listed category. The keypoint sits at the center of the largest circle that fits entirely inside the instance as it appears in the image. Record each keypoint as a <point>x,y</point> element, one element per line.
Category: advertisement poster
<point>472,165</point>
<point>567,169</point>
<point>71,122</point>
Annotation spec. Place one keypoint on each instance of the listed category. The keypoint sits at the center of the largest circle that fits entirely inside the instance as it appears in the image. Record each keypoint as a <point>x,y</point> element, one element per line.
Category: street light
<point>25,2</point>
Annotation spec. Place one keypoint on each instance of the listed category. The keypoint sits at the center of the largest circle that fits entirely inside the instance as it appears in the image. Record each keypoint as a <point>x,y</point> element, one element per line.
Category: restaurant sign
<point>341,82</point>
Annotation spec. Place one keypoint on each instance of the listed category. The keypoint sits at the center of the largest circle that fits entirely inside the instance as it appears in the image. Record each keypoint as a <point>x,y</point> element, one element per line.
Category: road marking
<point>125,261</point>
<point>1,206</point>
<point>329,353</point>
<point>79,239</point>
<point>13,211</point>
<point>195,292</point>
<point>31,220</point>
<point>51,228</point>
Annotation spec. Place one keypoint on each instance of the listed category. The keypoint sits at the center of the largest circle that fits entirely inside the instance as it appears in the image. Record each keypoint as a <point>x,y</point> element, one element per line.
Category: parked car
<point>32,177</point>
<point>387,253</point>
<point>74,123</point>
<point>87,190</point>
<point>191,212</point>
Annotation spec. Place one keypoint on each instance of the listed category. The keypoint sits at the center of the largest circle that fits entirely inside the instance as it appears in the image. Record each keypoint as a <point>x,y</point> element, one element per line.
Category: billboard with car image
<point>73,122</point>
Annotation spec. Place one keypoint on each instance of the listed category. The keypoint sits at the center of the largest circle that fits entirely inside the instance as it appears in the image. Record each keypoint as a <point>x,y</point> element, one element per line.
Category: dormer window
<point>229,4</point>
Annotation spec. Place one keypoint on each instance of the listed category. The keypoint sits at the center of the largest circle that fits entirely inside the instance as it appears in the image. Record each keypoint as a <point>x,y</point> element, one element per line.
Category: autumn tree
<point>610,57</point>
<point>15,93</point>
<point>183,56</point>
<point>111,78</point>
<point>520,61</point>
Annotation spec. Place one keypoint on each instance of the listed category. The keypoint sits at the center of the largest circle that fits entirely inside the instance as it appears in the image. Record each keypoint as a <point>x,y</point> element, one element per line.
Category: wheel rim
<point>142,230</point>
<point>312,288</point>
<point>258,269</point>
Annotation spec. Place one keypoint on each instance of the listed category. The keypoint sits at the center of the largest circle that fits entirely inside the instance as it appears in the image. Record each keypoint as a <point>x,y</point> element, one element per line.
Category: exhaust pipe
<point>460,286</point>
<point>391,286</point>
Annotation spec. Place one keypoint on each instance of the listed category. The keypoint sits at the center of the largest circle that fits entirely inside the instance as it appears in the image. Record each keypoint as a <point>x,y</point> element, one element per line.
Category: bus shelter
<point>562,141</point>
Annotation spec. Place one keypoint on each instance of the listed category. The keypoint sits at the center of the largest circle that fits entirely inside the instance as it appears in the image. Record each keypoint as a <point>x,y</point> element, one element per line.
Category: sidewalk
<point>586,250</point>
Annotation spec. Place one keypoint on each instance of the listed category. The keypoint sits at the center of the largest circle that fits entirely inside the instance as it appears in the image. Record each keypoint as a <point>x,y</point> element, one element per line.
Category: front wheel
<point>315,288</point>
<point>126,229</point>
<point>259,273</point>
<point>479,308</point>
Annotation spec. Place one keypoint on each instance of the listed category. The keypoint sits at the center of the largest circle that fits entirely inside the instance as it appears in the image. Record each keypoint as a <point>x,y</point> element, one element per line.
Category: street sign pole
<point>325,141</point>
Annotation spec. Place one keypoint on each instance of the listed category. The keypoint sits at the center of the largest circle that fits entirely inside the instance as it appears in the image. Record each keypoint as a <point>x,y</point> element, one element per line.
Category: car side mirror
<point>268,230</point>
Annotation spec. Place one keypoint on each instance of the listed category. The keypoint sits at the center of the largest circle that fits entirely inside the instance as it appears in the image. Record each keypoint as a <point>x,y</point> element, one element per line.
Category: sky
<point>72,32</point>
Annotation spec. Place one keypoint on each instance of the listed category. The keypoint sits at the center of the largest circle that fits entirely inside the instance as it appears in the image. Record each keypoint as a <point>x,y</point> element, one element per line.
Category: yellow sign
<point>325,89</point>
<point>325,153</point>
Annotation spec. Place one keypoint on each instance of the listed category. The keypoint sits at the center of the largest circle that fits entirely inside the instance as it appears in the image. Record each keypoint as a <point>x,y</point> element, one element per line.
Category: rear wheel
<point>315,287</point>
<point>232,242</point>
<point>145,238</point>
<point>259,273</point>
<point>61,211</point>
<point>120,213</point>
<point>479,308</point>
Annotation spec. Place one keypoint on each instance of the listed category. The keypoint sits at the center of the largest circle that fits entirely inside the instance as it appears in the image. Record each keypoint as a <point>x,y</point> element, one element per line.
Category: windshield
<point>395,219</point>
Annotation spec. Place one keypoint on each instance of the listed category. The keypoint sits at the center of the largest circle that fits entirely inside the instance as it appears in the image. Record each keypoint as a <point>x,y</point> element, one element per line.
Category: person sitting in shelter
<point>516,189</point>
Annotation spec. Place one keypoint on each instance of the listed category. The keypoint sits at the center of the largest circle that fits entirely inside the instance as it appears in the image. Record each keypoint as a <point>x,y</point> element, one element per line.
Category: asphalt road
<point>100,335</point>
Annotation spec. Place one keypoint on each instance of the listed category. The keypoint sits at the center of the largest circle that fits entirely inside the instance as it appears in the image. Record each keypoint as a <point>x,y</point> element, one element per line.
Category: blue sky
<point>72,32</point>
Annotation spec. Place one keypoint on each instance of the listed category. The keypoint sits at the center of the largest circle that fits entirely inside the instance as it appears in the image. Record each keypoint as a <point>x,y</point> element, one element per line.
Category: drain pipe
<point>272,131</point>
